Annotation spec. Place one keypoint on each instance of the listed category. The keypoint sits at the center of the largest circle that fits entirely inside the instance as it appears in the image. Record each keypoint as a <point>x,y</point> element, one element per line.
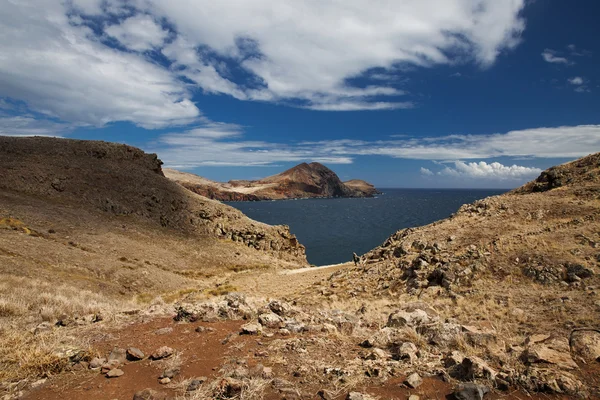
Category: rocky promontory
<point>312,180</point>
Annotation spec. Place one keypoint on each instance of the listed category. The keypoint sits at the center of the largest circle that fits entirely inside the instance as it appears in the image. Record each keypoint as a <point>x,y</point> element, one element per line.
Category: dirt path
<point>284,283</point>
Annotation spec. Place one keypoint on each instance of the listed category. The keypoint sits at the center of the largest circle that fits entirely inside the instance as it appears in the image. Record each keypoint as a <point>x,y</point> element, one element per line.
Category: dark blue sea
<point>331,229</point>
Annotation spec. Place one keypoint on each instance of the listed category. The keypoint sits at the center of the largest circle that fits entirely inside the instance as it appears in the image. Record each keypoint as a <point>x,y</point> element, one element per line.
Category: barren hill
<point>102,216</point>
<point>302,181</point>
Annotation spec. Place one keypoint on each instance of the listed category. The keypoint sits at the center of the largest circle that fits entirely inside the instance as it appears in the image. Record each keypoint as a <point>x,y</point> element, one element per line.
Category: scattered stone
<point>109,365</point>
<point>134,354</point>
<point>413,397</point>
<point>162,352</point>
<point>470,391</point>
<point>585,344</point>
<point>164,381</point>
<point>38,383</point>
<point>376,354</point>
<point>97,363</point>
<point>163,331</point>
<point>149,394</point>
<point>251,329</point>
<point>119,355</point>
<point>414,380</point>
<point>267,373</point>
<point>195,384</point>
<point>114,373</point>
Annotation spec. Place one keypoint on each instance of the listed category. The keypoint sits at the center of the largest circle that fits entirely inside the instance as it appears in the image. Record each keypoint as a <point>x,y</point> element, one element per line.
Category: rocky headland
<point>312,180</point>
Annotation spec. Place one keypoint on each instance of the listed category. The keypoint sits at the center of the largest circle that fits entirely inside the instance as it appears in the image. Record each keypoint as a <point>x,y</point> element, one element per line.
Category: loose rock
<point>414,380</point>
<point>134,354</point>
<point>162,352</point>
<point>149,394</point>
<point>114,373</point>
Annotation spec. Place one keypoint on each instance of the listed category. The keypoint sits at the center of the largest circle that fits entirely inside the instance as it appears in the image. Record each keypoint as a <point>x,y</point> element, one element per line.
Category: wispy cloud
<point>551,56</point>
<point>223,144</point>
<point>30,126</point>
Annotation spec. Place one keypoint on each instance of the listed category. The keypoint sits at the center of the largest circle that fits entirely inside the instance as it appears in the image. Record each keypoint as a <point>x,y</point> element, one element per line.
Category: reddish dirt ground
<point>203,354</point>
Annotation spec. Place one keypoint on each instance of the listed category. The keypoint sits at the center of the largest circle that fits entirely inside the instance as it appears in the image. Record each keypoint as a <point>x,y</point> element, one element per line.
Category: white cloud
<point>305,52</point>
<point>579,83</point>
<point>492,171</point>
<point>223,144</point>
<point>576,80</point>
<point>29,126</point>
<point>138,33</point>
<point>426,171</point>
<point>551,57</point>
<point>64,71</point>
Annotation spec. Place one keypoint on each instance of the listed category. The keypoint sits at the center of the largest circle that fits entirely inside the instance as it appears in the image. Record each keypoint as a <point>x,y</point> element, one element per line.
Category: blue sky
<point>428,93</point>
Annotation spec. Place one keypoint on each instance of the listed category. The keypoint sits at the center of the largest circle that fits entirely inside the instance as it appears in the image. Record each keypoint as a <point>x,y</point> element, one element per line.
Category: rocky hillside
<point>515,276</point>
<point>302,181</point>
<point>102,216</point>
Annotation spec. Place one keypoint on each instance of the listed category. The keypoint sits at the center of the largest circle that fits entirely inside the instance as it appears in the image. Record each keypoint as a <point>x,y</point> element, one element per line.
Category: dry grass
<point>247,267</point>
<point>222,290</point>
<point>16,225</point>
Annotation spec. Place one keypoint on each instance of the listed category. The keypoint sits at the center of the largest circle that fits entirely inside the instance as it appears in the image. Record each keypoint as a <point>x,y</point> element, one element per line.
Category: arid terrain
<point>302,181</point>
<point>117,283</point>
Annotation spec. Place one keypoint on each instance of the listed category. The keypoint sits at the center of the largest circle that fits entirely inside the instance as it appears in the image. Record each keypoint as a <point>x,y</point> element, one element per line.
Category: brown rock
<point>133,353</point>
<point>114,373</point>
<point>162,352</point>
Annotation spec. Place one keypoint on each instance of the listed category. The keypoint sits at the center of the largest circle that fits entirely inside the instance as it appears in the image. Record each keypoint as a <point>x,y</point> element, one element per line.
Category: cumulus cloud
<point>550,56</point>
<point>426,171</point>
<point>57,56</point>
<point>224,144</point>
<point>140,33</point>
<point>492,171</point>
<point>61,69</point>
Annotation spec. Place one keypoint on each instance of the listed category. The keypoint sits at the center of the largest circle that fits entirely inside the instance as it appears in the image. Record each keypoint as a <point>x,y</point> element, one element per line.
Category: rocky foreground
<point>501,300</point>
<point>312,180</point>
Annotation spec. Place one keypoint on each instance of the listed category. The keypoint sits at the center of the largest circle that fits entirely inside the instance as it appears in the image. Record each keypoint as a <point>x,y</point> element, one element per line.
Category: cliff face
<point>302,181</point>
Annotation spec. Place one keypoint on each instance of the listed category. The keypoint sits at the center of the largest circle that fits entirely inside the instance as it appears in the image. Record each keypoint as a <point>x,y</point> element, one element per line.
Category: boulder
<point>406,351</point>
<point>585,344</point>
<point>540,353</point>
<point>270,320</point>
<point>471,368</point>
<point>281,308</point>
<point>401,318</point>
<point>97,363</point>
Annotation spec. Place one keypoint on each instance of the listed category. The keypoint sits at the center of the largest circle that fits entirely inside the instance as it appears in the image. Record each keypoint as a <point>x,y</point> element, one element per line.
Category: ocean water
<point>331,229</point>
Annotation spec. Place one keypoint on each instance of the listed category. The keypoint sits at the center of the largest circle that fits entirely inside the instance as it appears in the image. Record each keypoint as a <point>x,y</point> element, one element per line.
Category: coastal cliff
<point>305,180</point>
